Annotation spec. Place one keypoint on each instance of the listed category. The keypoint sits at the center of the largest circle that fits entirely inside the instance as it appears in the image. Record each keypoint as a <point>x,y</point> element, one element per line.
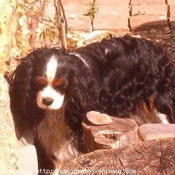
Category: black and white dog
<point>51,90</point>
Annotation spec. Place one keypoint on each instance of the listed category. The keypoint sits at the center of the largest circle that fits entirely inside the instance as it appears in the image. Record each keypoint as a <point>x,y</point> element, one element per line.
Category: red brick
<point>170,1</point>
<point>80,2</point>
<point>172,10</point>
<point>150,9</point>
<point>112,17</point>
<point>109,2</point>
<point>75,16</point>
<point>146,22</point>
<point>148,2</point>
<point>104,2</point>
<point>172,22</point>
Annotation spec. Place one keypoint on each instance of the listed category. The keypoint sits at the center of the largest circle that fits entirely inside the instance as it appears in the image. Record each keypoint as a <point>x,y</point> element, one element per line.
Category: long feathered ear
<point>21,95</point>
<point>81,94</point>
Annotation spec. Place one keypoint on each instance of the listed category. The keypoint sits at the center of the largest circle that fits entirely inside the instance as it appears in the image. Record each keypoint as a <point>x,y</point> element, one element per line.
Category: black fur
<point>126,72</point>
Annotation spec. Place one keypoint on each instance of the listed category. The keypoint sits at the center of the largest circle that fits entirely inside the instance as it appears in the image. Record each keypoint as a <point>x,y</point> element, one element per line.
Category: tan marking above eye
<point>58,82</point>
<point>42,81</point>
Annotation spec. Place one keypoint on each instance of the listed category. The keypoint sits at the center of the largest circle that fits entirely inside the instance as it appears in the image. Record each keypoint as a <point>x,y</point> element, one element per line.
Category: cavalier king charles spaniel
<point>51,91</point>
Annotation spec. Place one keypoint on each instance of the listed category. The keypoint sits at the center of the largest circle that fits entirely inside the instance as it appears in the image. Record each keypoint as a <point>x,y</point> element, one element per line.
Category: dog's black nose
<point>47,101</point>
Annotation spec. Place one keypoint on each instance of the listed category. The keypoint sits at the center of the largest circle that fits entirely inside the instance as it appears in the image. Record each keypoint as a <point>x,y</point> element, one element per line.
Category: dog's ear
<point>20,80</point>
<point>21,95</point>
<point>82,87</point>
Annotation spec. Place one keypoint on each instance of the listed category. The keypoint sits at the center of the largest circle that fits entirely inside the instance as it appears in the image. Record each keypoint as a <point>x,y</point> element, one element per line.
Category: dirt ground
<point>8,144</point>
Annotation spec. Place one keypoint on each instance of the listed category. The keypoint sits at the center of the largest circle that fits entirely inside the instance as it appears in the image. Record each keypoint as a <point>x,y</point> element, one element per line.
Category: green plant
<point>93,9</point>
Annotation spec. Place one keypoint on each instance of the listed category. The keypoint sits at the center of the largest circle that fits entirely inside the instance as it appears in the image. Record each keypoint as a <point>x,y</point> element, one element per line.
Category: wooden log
<point>100,134</point>
<point>120,146</point>
<point>146,158</point>
<point>102,131</point>
<point>156,131</point>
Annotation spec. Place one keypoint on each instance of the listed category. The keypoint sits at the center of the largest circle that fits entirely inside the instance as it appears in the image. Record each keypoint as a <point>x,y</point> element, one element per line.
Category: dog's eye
<point>59,82</point>
<point>42,81</point>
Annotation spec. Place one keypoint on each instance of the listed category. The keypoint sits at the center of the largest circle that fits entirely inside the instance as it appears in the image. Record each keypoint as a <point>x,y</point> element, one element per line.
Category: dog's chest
<point>55,135</point>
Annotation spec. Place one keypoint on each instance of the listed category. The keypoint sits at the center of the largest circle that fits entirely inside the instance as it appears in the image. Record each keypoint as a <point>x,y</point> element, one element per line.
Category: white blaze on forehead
<point>51,68</point>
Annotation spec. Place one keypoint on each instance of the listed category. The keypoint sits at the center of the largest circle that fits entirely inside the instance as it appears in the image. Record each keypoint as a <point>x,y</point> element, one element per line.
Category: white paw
<point>56,172</point>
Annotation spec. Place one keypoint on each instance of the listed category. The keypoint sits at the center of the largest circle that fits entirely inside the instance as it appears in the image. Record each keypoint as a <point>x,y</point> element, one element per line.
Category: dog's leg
<point>162,117</point>
<point>165,109</point>
<point>56,172</point>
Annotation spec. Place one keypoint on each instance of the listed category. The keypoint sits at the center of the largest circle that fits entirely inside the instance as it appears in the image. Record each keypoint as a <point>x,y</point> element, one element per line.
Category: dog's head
<point>49,87</point>
<point>38,77</point>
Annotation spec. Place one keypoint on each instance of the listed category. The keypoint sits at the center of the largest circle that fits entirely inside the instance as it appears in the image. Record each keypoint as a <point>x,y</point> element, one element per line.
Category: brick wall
<point>121,14</point>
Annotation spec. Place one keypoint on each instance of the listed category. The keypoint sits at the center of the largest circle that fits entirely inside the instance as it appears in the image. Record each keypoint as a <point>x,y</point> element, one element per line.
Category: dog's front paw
<point>56,172</point>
